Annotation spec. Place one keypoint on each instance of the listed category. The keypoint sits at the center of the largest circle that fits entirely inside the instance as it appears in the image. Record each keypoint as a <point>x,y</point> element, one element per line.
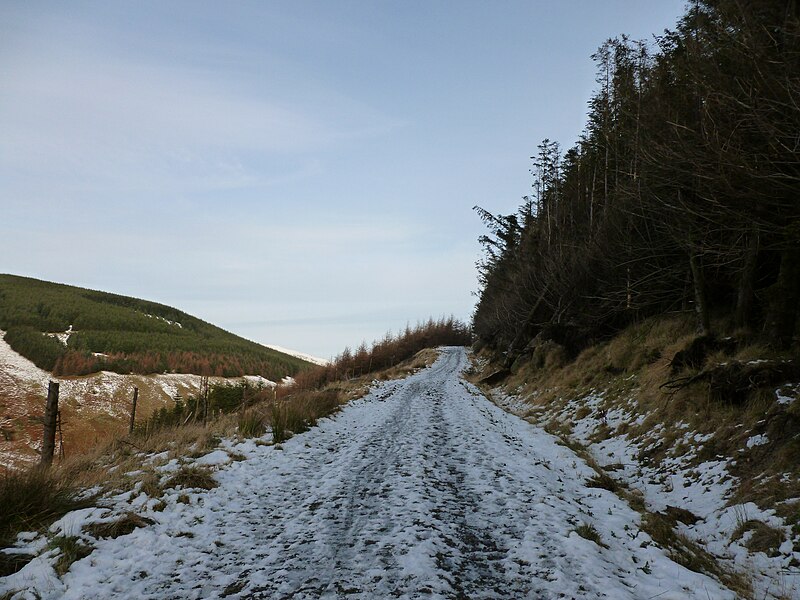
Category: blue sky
<point>299,173</point>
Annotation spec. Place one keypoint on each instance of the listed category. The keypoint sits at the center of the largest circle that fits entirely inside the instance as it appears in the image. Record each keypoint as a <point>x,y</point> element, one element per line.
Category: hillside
<point>74,331</point>
<point>100,346</point>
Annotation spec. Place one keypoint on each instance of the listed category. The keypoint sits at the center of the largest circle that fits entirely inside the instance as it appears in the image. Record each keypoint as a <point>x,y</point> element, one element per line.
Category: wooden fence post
<point>50,418</point>
<point>133,409</point>
<point>60,437</point>
<point>204,397</point>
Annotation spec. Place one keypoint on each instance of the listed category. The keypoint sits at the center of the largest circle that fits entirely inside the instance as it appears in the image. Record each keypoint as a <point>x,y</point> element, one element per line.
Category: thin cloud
<point>110,122</point>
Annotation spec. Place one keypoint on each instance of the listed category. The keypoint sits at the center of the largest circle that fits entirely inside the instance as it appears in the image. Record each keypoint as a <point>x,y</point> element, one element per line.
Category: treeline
<point>125,335</point>
<point>683,193</point>
<point>217,365</point>
<point>387,352</point>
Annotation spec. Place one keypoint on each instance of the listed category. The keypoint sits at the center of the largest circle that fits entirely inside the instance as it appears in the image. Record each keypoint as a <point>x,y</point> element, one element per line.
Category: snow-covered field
<point>422,489</point>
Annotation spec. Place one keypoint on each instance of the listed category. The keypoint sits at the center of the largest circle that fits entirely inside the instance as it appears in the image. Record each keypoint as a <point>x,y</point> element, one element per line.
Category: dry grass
<point>689,554</point>
<point>122,526</point>
<point>126,455</point>
<point>301,410</point>
<point>191,477</point>
<point>252,423</point>
<point>604,481</point>
<point>33,499</point>
<point>71,549</point>
<point>764,538</point>
<point>587,531</point>
<point>636,364</point>
<point>11,563</point>
<point>630,370</point>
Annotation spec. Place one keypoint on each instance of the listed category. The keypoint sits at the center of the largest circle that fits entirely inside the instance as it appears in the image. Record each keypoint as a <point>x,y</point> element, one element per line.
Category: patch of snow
<point>167,321</point>
<point>787,394</point>
<point>169,467</point>
<point>758,440</point>
<point>301,355</point>
<point>16,367</point>
<point>258,381</point>
<point>215,458</point>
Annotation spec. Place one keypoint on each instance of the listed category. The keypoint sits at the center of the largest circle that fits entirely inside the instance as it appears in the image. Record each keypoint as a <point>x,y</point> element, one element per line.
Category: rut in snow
<point>423,489</point>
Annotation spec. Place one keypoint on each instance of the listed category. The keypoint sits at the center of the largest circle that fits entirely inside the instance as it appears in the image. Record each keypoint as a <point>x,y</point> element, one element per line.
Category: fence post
<point>133,409</point>
<point>50,418</point>
<point>204,396</point>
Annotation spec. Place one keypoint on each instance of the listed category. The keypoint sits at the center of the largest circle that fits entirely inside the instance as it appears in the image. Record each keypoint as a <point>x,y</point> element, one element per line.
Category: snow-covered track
<point>423,489</point>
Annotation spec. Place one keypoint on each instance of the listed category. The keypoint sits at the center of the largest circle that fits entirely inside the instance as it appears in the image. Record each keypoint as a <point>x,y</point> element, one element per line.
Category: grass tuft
<point>251,424</point>
<point>588,532</point>
<point>122,526</point>
<point>71,550</point>
<point>764,538</point>
<point>301,410</point>
<point>33,499</point>
<point>604,482</point>
<point>192,477</point>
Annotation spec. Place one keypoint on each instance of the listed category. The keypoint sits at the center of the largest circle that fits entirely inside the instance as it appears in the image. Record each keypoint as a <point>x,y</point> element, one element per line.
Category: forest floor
<point>422,488</point>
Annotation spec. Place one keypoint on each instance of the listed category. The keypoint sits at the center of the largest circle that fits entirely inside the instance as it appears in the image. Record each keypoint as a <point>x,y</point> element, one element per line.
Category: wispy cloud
<point>96,119</point>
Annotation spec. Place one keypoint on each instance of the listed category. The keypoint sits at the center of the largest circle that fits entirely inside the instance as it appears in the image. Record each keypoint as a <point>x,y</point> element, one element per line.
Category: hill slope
<point>74,331</point>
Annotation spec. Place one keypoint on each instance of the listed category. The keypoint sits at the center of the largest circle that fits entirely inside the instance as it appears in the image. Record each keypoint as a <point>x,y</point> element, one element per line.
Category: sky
<point>299,173</point>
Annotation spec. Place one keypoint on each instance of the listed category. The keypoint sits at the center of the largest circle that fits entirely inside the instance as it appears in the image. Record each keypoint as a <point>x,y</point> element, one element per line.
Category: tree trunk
<point>785,298</point>
<point>523,331</point>
<point>744,301</point>
<point>700,298</point>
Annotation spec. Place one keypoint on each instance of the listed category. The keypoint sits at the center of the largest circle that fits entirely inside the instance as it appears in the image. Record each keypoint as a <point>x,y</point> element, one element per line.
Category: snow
<point>165,320</point>
<point>216,458</point>
<point>19,368</point>
<point>307,357</point>
<point>421,488</point>
<point>787,394</point>
<point>757,440</point>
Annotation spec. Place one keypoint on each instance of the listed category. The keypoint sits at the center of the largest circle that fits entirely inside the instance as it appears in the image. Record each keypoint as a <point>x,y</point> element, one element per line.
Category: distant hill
<point>75,331</point>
